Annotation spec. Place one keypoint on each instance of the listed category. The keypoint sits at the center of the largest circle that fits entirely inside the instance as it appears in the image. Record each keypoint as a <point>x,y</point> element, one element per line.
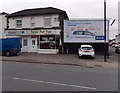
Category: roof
<point>38,11</point>
<point>3,13</point>
<point>86,46</point>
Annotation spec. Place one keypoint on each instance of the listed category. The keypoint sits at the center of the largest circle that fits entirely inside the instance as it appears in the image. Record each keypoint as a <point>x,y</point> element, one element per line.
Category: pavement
<point>65,59</point>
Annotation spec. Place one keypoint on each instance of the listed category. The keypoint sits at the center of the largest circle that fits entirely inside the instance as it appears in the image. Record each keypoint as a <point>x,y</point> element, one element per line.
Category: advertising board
<point>78,31</point>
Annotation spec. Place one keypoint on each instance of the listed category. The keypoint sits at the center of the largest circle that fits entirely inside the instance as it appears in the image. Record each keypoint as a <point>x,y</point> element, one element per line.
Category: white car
<point>81,34</point>
<point>86,50</point>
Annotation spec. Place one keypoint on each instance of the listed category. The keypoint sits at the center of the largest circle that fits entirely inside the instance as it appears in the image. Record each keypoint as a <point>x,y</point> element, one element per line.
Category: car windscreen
<point>86,48</point>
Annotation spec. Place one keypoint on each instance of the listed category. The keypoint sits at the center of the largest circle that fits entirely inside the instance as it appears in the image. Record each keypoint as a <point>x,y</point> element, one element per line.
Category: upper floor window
<point>56,20</point>
<point>32,22</point>
<point>47,21</point>
<point>18,23</point>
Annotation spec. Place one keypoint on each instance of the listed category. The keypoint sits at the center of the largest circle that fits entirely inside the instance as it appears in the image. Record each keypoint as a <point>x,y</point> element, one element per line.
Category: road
<point>38,77</point>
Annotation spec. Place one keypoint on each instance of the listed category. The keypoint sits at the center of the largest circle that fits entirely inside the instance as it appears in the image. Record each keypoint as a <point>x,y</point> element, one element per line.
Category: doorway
<point>33,44</point>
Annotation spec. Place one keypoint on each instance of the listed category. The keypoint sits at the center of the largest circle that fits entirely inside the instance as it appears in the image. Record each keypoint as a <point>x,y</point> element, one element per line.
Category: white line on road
<point>55,83</point>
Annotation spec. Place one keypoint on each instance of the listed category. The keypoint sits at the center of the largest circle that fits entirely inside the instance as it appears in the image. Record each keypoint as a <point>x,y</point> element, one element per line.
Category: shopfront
<point>39,41</point>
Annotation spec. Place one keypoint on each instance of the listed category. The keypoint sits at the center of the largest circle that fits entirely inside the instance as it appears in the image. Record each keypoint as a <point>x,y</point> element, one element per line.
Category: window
<point>19,23</point>
<point>47,21</point>
<point>25,42</point>
<point>78,33</point>
<point>88,33</point>
<point>47,42</point>
<point>38,42</point>
<point>33,42</point>
<point>55,19</point>
<point>32,22</point>
<point>87,48</point>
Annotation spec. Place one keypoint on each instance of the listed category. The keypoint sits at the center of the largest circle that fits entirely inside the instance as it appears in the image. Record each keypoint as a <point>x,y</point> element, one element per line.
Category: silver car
<point>81,34</point>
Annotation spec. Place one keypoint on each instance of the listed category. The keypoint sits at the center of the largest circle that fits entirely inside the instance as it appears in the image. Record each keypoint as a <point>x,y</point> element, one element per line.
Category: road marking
<point>55,83</point>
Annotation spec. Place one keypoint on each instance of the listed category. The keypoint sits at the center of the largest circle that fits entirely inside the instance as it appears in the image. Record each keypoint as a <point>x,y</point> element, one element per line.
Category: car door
<point>88,34</point>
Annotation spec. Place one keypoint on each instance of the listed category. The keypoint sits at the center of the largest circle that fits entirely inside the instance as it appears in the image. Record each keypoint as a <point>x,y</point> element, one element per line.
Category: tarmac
<point>64,59</point>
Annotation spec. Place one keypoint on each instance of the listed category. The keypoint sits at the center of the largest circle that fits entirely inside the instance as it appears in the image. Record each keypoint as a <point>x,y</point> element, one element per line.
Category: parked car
<point>114,45</point>
<point>81,34</point>
<point>9,46</point>
<point>86,50</point>
<point>117,49</point>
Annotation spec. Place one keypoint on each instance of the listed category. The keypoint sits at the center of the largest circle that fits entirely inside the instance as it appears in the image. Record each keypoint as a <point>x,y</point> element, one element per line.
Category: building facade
<point>3,25</point>
<point>39,29</point>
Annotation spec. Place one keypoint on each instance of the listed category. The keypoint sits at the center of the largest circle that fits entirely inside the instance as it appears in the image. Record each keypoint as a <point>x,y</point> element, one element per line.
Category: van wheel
<point>7,53</point>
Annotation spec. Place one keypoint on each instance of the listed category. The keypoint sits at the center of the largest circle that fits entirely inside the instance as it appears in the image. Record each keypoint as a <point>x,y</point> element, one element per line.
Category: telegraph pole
<point>105,45</point>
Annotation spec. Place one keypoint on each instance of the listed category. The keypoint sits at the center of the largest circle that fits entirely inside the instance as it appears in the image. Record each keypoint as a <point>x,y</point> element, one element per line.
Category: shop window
<point>49,42</point>
<point>25,42</point>
<point>18,23</point>
<point>44,38</point>
<point>38,42</point>
<point>51,38</point>
<point>47,21</point>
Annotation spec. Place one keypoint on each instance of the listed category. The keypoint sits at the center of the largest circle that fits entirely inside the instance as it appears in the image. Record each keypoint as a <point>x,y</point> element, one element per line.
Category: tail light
<point>92,50</point>
<point>80,49</point>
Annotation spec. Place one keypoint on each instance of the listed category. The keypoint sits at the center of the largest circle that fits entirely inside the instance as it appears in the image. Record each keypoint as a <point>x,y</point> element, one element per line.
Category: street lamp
<point>105,44</point>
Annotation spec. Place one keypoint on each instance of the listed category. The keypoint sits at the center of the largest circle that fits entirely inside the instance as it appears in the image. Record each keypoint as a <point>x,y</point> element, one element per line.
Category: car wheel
<point>79,57</point>
<point>7,53</point>
<point>93,57</point>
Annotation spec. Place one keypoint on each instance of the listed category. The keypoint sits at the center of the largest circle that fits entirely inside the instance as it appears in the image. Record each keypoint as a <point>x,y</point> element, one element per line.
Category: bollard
<point>67,51</point>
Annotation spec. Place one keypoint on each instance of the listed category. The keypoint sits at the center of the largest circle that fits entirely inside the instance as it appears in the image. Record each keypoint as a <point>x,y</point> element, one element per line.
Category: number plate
<point>86,51</point>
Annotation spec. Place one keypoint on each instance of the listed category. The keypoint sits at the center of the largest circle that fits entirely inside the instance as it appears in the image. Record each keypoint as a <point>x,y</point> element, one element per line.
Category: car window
<point>87,48</point>
<point>88,33</point>
<point>118,47</point>
<point>78,33</point>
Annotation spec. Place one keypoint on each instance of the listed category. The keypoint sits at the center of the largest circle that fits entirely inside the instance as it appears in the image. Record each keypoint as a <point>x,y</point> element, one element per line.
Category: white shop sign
<point>44,32</point>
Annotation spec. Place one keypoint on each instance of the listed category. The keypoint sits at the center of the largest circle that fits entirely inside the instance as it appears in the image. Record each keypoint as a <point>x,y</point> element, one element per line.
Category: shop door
<point>33,45</point>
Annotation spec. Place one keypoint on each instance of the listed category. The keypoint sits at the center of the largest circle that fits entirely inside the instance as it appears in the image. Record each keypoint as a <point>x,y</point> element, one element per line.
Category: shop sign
<point>44,32</point>
<point>15,32</point>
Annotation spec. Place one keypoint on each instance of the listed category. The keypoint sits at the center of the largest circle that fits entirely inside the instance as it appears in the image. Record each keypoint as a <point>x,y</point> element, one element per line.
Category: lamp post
<point>105,45</point>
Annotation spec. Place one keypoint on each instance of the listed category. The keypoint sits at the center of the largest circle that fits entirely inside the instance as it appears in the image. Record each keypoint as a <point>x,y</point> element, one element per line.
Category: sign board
<point>33,32</point>
<point>15,32</point>
<point>44,32</point>
<point>82,31</point>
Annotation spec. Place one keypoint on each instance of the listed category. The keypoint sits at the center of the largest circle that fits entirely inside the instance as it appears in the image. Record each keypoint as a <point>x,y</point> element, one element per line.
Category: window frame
<point>46,23</point>
<point>18,24</point>
<point>32,21</point>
